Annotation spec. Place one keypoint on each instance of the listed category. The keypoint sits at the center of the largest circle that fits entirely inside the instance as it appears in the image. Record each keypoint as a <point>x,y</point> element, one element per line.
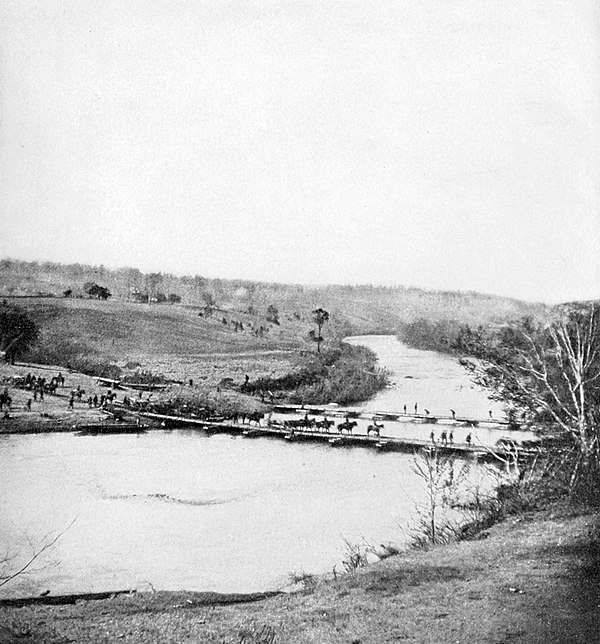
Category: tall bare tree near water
<point>549,375</point>
<point>443,476</point>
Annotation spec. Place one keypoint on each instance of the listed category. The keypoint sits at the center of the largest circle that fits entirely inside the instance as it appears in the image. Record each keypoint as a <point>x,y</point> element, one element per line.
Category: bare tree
<point>437,470</point>
<point>549,375</point>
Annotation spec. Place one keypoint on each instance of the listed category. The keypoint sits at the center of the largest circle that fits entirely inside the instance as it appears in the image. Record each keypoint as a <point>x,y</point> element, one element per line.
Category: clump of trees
<point>549,376</point>
<point>156,298</point>
<point>17,331</point>
<point>431,335</point>
<point>97,291</point>
<point>343,374</point>
<point>272,314</point>
<point>209,304</point>
<point>205,403</point>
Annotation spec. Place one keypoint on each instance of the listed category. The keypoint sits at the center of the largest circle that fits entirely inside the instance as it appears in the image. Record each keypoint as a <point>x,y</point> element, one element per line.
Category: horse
<point>307,422</point>
<point>375,428</point>
<point>293,424</point>
<point>324,424</point>
<point>255,416</point>
<point>347,425</point>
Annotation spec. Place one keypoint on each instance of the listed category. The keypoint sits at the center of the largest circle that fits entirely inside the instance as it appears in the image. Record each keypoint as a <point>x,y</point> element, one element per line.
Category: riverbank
<point>344,374</point>
<point>53,413</point>
<point>531,578</point>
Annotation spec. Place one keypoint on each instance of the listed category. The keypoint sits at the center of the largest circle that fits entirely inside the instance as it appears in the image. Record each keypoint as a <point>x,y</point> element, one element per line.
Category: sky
<point>447,144</point>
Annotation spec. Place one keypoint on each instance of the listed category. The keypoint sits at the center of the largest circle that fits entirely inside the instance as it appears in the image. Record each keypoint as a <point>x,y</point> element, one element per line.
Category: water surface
<point>183,510</point>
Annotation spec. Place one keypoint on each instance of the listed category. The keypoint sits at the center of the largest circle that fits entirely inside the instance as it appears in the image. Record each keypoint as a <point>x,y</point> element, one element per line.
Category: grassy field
<point>171,340</point>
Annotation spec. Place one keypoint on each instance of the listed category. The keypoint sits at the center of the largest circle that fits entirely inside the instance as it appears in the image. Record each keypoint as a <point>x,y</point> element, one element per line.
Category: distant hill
<point>181,341</point>
<point>364,309</point>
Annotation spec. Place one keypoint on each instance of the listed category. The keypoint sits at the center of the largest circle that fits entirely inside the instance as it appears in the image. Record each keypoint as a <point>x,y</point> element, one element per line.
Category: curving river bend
<point>184,510</point>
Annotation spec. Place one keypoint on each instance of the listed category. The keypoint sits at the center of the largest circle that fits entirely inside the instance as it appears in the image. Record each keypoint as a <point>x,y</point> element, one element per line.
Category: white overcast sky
<point>447,144</point>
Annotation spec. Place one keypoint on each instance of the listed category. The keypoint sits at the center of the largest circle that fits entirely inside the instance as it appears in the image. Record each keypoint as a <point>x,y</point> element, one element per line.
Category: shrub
<point>355,556</point>
<point>344,374</point>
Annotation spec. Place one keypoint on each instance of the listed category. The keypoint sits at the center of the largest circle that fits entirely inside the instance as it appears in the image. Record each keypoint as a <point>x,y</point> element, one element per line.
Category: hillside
<point>179,341</point>
<point>365,307</point>
<point>169,340</point>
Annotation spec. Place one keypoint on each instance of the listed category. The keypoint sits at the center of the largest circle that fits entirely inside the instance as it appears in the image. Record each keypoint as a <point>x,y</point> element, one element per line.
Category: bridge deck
<point>334,438</point>
<point>339,412</point>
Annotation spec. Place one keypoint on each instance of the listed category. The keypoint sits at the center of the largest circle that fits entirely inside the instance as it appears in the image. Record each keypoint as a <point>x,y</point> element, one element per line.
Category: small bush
<point>355,556</point>
<point>308,581</point>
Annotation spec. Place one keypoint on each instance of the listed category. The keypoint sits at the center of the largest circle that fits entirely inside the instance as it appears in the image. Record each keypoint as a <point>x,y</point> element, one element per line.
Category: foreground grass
<point>533,578</point>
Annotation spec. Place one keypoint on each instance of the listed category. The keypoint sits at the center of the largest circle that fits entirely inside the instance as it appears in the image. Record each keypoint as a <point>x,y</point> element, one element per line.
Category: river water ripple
<point>185,510</point>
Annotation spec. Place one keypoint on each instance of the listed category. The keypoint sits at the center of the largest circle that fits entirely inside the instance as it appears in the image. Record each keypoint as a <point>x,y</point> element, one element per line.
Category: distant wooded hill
<point>354,309</point>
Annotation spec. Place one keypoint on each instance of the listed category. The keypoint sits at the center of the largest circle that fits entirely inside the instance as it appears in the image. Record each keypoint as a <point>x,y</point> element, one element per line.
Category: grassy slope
<point>533,579</point>
<point>174,341</point>
<point>127,329</point>
<point>165,339</point>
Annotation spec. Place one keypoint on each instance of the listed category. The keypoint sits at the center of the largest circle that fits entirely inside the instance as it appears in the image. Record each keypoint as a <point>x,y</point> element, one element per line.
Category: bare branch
<point>7,578</point>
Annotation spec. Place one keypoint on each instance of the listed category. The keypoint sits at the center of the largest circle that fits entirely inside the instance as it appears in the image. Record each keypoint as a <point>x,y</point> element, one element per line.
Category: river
<point>186,510</point>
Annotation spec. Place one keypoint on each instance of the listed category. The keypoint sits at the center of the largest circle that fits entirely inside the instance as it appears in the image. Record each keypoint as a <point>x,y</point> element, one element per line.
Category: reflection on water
<point>182,509</point>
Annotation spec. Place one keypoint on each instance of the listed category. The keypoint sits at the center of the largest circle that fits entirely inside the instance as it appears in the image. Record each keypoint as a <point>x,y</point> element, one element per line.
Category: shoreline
<point>532,577</point>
